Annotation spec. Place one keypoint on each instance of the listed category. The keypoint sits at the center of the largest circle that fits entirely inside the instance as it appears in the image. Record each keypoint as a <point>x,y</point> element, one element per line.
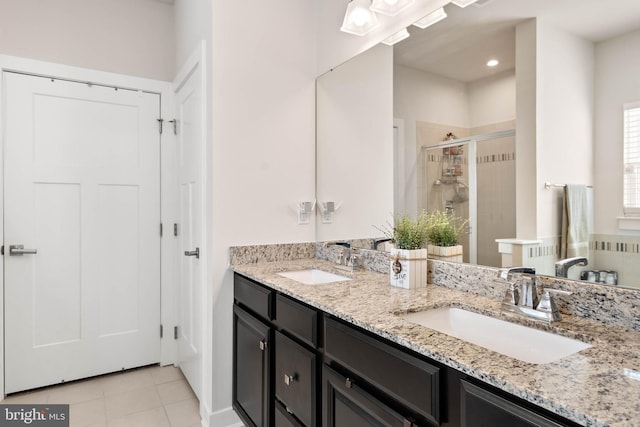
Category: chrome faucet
<point>563,266</point>
<point>348,258</point>
<point>525,300</point>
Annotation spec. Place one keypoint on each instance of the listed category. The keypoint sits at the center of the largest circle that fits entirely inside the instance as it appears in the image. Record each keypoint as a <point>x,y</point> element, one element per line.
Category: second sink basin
<point>313,276</point>
<point>513,340</point>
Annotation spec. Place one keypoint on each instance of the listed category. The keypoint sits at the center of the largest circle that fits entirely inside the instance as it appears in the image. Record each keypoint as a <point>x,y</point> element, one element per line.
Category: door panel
<point>189,143</point>
<point>82,170</point>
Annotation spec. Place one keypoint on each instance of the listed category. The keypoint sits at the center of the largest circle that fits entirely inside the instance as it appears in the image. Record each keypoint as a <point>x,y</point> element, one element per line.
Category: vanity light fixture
<point>390,7</point>
<point>397,37</point>
<point>435,16</point>
<point>463,3</point>
<point>359,18</point>
<point>492,62</point>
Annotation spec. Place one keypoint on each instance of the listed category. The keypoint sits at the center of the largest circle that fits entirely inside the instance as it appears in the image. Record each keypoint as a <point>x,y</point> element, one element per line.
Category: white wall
<point>263,148</point>
<point>133,37</point>
<point>492,99</point>
<point>355,144</point>
<point>565,120</point>
<point>526,129</point>
<point>616,82</point>
<point>554,130</point>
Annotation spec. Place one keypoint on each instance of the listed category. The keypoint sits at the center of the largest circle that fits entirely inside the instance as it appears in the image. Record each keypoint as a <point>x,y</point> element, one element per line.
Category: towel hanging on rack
<point>575,231</point>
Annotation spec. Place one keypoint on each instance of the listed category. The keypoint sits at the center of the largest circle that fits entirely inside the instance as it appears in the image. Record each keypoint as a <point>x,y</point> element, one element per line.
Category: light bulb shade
<point>359,19</point>
<point>397,37</point>
<point>435,16</point>
<point>463,3</point>
<point>390,7</point>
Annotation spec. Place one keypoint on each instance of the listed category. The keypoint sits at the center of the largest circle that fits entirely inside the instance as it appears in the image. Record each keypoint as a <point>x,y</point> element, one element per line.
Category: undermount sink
<point>513,340</point>
<point>313,276</point>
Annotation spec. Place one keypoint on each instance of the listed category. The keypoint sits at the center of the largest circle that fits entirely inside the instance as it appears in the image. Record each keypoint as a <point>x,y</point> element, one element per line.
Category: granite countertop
<point>599,386</point>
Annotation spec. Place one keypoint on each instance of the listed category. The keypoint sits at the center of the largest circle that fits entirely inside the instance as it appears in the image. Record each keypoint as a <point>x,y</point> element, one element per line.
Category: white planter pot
<point>408,268</point>
<point>446,253</point>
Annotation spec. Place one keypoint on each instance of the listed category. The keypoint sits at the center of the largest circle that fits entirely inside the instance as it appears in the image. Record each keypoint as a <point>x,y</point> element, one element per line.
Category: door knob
<point>195,253</point>
<point>19,250</point>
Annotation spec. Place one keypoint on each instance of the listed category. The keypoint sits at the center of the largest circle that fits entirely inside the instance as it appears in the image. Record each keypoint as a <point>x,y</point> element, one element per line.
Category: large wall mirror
<point>549,112</point>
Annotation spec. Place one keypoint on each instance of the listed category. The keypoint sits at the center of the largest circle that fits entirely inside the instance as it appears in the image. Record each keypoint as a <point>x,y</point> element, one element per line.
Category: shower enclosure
<point>474,178</point>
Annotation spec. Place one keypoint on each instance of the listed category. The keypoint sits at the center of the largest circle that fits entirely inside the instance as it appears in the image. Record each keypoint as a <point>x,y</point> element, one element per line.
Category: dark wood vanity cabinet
<point>251,368</point>
<point>346,404</point>
<point>295,366</point>
<point>397,377</point>
<point>276,368</point>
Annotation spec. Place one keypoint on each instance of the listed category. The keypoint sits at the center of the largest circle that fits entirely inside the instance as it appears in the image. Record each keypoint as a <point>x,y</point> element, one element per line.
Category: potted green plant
<point>443,230</point>
<point>409,256</point>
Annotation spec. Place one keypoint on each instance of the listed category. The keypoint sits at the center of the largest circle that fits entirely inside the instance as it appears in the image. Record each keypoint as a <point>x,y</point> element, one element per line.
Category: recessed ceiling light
<point>492,62</point>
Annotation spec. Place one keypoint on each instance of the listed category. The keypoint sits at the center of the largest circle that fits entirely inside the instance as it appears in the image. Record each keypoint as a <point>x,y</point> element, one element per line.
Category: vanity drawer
<point>295,379</point>
<point>254,296</point>
<point>297,319</point>
<point>407,379</point>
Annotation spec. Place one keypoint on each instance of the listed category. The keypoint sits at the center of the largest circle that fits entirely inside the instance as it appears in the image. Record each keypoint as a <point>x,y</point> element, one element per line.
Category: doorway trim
<point>168,246</point>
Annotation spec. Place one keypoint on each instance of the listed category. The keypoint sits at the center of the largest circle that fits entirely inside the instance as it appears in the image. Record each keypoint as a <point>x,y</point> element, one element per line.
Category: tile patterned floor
<point>152,396</point>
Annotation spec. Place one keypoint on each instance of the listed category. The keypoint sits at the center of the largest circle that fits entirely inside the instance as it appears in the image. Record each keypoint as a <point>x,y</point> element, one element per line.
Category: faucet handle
<point>548,305</point>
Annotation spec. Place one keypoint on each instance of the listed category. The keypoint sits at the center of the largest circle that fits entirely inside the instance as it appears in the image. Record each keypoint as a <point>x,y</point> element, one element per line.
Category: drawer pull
<point>288,379</point>
<point>348,383</point>
<point>263,345</point>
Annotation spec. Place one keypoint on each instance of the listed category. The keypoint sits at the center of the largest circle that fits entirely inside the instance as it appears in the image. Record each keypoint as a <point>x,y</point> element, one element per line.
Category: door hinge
<point>175,229</point>
<point>160,121</point>
<point>175,126</point>
<point>175,332</point>
<point>161,331</point>
<point>160,229</point>
<point>2,250</point>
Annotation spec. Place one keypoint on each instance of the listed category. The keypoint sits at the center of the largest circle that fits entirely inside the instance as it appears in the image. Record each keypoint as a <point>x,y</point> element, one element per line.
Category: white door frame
<point>167,183</point>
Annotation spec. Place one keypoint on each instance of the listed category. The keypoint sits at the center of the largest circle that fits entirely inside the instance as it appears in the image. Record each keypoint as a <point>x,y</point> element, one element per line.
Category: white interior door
<point>189,104</point>
<point>82,174</point>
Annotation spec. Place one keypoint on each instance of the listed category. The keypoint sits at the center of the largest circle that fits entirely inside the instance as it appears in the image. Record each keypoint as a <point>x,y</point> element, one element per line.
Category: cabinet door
<point>481,408</point>
<point>251,365</point>
<point>295,379</point>
<point>344,404</point>
<point>284,418</point>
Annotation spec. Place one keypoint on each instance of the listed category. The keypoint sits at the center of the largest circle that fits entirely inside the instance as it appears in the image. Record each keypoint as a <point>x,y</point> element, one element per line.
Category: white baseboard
<point>226,417</point>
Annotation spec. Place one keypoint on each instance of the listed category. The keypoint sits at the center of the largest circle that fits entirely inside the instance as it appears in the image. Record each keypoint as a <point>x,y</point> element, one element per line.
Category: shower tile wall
<point>496,191</point>
<point>619,253</point>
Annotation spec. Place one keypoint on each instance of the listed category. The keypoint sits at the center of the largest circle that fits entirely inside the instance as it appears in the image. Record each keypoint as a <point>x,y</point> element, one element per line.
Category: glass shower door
<point>450,184</point>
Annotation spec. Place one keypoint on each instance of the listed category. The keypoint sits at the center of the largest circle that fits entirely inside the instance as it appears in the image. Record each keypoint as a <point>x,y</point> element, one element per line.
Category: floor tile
<point>89,413</point>
<point>183,414</point>
<point>76,392</point>
<point>127,381</point>
<point>151,418</point>
<point>121,404</point>
<point>175,391</point>
<point>35,397</point>
<point>165,374</point>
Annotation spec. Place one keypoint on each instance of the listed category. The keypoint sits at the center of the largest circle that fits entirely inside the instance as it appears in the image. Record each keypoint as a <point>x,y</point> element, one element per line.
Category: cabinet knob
<point>263,345</point>
<point>288,379</point>
<point>348,383</point>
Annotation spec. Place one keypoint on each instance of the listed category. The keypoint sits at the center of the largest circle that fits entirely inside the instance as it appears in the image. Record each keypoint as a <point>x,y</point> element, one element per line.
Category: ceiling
<point>459,46</point>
